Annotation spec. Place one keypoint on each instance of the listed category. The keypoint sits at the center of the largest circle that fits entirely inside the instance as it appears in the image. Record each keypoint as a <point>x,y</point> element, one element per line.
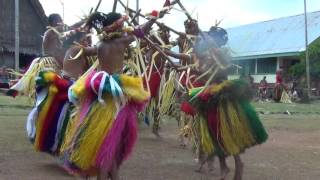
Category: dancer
<point>227,124</point>
<point>52,57</point>
<point>102,133</point>
<point>79,57</point>
<point>280,92</point>
<point>47,121</point>
<point>161,82</point>
<point>187,78</point>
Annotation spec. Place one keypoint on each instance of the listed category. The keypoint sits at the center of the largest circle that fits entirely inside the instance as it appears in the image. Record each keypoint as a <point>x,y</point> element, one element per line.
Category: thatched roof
<point>32,26</point>
<point>39,10</point>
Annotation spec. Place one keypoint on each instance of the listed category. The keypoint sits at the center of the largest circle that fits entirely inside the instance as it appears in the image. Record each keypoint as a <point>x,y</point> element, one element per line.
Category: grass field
<point>271,107</point>
<point>291,152</point>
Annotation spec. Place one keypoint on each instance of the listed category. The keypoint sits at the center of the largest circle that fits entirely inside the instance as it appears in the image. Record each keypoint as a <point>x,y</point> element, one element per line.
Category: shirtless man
<point>187,57</point>
<point>263,87</point>
<point>211,56</point>
<point>53,54</point>
<point>107,81</point>
<point>111,55</point>
<point>186,41</point>
<point>158,70</point>
<point>77,58</point>
<point>52,39</point>
<point>188,81</point>
<point>55,40</point>
<point>50,84</point>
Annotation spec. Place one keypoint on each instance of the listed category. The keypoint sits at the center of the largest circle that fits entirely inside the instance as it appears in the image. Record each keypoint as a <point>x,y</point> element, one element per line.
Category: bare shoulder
<point>127,38</point>
<point>71,52</point>
<point>102,44</point>
<point>50,34</point>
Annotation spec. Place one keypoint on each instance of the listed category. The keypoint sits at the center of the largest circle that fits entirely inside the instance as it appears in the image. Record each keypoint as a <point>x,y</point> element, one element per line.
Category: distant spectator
<point>4,76</point>
<point>263,87</point>
<point>278,88</point>
<point>263,83</point>
<point>251,81</point>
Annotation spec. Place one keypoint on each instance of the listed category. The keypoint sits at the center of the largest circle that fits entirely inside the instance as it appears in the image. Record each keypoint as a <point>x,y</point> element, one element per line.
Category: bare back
<point>52,46</point>
<point>111,53</point>
<point>74,68</point>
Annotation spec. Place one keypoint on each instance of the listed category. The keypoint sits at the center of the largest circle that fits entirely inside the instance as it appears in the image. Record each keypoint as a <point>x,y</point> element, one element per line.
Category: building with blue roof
<point>264,47</point>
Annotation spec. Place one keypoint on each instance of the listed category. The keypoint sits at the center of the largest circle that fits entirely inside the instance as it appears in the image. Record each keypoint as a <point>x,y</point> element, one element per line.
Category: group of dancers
<point>87,98</point>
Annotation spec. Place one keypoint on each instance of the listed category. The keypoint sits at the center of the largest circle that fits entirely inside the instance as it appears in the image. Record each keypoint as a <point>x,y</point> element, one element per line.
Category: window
<point>245,67</point>
<point>234,70</point>
<point>267,65</point>
<point>248,66</point>
<point>252,66</point>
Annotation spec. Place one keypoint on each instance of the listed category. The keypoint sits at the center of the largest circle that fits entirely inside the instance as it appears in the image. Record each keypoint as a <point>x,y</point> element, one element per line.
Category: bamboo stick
<point>155,46</point>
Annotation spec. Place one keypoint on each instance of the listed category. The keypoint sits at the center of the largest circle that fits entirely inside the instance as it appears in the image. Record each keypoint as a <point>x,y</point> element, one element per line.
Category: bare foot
<point>114,174</point>
<point>183,146</point>
<point>238,172</point>
<point>210,166</point>
<point>224,172</point>
<point>200,168</point>
<point>202,161</point>
<point>156,133</point>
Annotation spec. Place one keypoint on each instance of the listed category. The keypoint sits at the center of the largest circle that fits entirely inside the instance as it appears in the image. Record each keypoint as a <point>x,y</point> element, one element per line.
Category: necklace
<point>108,36</point>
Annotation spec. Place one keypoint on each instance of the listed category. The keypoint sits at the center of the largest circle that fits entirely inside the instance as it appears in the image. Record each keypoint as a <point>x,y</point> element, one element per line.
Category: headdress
<point>105,22</point>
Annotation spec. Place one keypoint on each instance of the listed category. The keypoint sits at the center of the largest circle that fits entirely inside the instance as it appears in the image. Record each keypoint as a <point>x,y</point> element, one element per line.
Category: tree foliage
<point>299,70</point>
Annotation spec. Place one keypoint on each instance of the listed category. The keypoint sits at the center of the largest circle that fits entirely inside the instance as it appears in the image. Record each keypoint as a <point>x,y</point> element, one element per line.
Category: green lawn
<point>296,123</point>
<point>313,107</point>
<point>17,102</point>
<point>13,114</point>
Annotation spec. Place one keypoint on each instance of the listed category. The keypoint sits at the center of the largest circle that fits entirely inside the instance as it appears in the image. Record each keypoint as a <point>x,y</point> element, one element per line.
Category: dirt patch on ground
<point>290,153</point>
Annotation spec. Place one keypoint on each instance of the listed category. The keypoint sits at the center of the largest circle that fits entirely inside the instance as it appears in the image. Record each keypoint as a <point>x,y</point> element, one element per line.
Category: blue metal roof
<point>278,37</point>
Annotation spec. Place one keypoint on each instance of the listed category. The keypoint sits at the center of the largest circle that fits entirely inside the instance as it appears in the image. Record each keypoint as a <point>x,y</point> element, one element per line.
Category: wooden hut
<point>33,22</point>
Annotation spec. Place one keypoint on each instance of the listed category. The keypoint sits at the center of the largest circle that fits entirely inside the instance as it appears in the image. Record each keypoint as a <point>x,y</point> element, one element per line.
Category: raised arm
<point>181,56</point>
<point>154,15</point>
<point>90,51</point>
<point>141,30</point>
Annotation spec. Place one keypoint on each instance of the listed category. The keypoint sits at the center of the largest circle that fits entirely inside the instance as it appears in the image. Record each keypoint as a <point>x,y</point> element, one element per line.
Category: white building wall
<point>271,78</point>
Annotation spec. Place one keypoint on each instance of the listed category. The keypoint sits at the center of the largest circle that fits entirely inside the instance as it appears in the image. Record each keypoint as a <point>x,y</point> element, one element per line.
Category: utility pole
<point>307,51</point>
<point>137,9</point>
<point>17,37</point>
<point>62,4</point>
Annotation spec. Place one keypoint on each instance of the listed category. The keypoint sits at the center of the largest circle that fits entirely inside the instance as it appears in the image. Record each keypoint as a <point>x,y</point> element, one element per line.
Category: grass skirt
<point>104,129</point>
<point>27,83</point>
<point>227,122</point>
<point>47,121</point>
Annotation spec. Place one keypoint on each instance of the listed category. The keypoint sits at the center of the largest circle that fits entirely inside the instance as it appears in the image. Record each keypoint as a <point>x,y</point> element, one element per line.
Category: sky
<point>231,12</point>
